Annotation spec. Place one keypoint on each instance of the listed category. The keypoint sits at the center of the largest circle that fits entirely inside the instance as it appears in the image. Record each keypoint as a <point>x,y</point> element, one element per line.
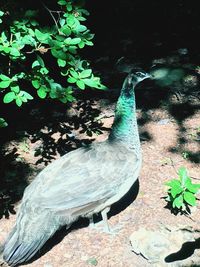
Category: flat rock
<point>166,247</point>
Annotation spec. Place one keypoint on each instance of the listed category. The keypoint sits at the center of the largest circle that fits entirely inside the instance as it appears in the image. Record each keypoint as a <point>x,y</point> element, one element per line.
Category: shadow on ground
<point>181,112</point>
<point>12,180</point>
<point>186,251</point>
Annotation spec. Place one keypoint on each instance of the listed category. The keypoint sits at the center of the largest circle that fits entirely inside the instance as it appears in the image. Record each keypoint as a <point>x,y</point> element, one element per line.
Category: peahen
<point>83,182</point>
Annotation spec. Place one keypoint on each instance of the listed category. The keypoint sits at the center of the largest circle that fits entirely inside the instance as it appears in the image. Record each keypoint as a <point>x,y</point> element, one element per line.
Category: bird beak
<point>149,76</point>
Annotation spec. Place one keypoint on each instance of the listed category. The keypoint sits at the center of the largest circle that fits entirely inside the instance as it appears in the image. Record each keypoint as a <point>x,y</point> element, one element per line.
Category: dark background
<point>154,28</point>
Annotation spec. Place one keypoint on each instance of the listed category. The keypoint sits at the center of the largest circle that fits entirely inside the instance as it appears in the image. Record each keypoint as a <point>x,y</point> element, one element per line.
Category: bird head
<point>133,78</point>
<point>138,75</point>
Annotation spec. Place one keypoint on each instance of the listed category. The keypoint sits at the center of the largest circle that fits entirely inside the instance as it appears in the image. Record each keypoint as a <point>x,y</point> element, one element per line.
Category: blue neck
<point>125,127</point>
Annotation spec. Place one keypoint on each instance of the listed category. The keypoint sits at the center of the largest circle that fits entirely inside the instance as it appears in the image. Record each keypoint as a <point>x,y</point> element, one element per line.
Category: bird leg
<point>106,227</point>
<point>91,224</point>
<point>105,219</point>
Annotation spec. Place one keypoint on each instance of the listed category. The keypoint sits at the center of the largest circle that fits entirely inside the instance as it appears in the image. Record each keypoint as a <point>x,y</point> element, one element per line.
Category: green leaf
<point>189,198</point>
<point>63,100</point>
<point>58,53</point>
<point>34,22</point>
<point>61,63</point>
<point>81,44</point>
<point>15,88</point>
<point>6,49</point>
<point>66,30</point>
<point>1,13</point>
<point>24,99</point>
<point>173,182</point>
<point>70,98</point>
<point>4,77</point>
<point>29,40</point>
<point>3,123</point>
<point>74,74</point>
<point>75,41</point>
<point>44,70</point>
<point>42,92</point>
<point>183,175</point>
<point>5,84</point>
<point>36,63</point>
<point>14,52</point>
<point>9,97</point>
<point>192,187</point>
<point>36,84</point>
<point>41,61</point>
<point>71,80</point>
<point>19,75</point>
<point>85,73</point>
<point>42,37</point>
<point>3,37</point>
<point>175,190</point>
<point>81,28</point>
<point>178,202</point>
<point>89,43</point>
<point>72,49</point>
<point>69,7</point>
<point>18,101</point>
<point>71,20</point>
<point>62,22</point>
<point>62,2</point>
<point>27,95</point>
<point>80,84</point>
<point>89,82</point>
<point>70,41</point>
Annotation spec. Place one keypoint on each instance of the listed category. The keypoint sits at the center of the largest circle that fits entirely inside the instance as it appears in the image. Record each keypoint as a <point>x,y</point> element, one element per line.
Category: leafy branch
<point>23,44</point>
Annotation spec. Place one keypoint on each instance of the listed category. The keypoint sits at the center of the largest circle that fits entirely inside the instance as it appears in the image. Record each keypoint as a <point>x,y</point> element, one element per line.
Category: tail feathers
<point>22,252</point>
<point>18,250</point>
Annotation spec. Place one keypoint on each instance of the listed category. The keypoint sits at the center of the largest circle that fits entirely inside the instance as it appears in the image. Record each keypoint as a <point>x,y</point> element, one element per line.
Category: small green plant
<point>182,192</point>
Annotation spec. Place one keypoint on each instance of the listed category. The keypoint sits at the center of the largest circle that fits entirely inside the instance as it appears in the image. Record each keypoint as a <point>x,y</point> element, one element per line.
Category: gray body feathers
<point>81,183</point>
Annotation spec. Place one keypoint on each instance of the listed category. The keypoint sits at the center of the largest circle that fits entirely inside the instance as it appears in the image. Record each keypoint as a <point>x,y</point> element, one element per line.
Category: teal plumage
<point>81,183</point>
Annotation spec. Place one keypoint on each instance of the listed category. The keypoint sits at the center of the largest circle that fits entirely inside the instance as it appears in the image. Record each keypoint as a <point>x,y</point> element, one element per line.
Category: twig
<point>50,12</point>
<point>172,164</point>
<point>195,178</point>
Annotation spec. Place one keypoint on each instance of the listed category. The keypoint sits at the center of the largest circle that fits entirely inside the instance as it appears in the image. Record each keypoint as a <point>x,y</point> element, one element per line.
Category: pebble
<point>163,122</point>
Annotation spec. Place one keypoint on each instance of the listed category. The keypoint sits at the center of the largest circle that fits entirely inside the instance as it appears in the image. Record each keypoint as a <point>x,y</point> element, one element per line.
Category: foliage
<point>32,53</point>
<point>182,192</point>
<point>3,123</point>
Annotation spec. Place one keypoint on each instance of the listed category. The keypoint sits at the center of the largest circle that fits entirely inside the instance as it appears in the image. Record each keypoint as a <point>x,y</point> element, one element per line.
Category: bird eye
<point>140,74</point>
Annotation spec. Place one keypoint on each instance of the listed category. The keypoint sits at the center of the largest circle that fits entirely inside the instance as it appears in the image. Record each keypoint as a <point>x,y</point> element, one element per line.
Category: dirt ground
<point>168,142</point>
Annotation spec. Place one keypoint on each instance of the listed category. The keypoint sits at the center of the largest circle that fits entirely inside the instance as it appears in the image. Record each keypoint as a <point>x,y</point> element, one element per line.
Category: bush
<point>182,192</point>
<point>31,53</point>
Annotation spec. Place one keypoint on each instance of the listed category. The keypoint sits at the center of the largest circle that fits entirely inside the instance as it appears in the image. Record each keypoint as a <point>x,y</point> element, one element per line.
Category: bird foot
<point>104,228</point>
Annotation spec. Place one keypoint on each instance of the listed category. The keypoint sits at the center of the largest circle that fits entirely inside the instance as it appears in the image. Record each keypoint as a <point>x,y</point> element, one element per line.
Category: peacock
<point>81,183</point>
